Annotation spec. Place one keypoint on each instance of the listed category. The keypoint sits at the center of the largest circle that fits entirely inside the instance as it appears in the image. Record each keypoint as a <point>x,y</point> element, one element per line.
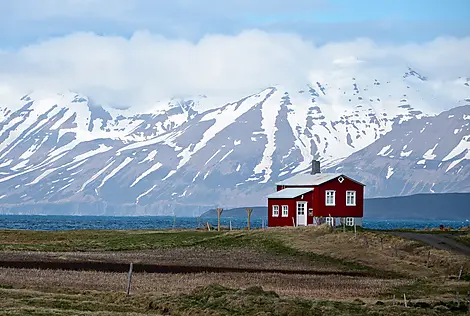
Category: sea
<point>66,222</point>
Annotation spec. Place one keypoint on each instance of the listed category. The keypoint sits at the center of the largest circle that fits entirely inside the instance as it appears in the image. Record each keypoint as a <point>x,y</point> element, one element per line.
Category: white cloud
<point>147,67</point>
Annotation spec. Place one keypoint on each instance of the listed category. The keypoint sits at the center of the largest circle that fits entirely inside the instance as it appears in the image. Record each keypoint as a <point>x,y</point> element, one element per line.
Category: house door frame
<point>301,218</point>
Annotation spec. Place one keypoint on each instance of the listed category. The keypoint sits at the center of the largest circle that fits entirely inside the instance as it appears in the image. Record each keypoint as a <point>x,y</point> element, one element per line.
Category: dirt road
<point>439,241</point>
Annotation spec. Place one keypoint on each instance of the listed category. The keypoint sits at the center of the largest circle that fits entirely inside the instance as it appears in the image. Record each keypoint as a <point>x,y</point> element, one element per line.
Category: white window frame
<point>333,203</point>
<point>351,195</point>
<point>285,211</point>
<point>349,221</point>
<point>275,210</point>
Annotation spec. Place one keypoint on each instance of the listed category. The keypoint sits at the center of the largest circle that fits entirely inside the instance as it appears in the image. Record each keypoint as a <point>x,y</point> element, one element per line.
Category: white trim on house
<point>275,210</point>
<point>330,198</point>
<point>285,210</point>
<point>350,198</point>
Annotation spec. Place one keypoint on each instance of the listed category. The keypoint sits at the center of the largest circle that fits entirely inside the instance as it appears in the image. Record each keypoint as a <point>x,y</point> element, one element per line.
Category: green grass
<point>422,288</point>
<point>274,245</point>
<point>93,240</point>
<point>219,300</point>
<point>23,302</point>
<point>210,300</point>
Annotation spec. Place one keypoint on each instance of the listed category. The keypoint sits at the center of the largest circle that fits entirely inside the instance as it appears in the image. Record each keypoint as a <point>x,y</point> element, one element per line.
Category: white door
<point>301,213</point>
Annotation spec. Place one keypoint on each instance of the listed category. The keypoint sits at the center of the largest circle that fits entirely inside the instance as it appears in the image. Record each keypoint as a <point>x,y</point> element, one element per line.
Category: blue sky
<point>29,21</point>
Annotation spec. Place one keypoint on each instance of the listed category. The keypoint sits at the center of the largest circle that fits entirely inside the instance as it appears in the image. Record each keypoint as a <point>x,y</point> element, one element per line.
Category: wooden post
<point>429,257</point>
<point>460,272</point>
<point>468,302</point>
<point>404,298</point>
<point>129,279</point>
<point>248,213</point>
<point>293,222</point>
<point>457,298</point>
<point>381,243</point>
<point>394,300</point>
<point>344,224</point>
<point>219,212</point>
<point>355,231</point>
<point>208,226</point>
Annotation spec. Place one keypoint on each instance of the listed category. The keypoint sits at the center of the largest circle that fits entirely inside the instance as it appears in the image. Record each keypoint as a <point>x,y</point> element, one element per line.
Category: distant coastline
<point>432,206</point>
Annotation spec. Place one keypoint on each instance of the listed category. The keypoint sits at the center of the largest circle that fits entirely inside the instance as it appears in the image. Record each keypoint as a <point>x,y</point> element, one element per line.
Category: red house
<point>315,198</point>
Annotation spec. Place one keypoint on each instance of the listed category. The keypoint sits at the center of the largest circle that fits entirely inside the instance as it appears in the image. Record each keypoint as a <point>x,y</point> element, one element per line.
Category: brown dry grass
<point>239,258</point>
<point>305,286</point>
<point>49,292</point>
<point>379,250</point>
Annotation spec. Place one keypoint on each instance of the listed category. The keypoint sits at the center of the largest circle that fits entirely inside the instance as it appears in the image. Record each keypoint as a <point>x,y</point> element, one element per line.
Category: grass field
<point>391,266</point>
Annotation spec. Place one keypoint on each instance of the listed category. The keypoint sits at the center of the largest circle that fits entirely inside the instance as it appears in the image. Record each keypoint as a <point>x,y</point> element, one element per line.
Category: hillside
<point>447,206</point>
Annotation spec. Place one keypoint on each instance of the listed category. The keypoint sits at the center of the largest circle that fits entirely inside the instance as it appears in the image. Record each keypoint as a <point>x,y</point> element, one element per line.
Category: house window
<point>275,210</point>
<point>351,198</point>
<point>330,198</point>
<point>285,211</point>
<point>349,221</point>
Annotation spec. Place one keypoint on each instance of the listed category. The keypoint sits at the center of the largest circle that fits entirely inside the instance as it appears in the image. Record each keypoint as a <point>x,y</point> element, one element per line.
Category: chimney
<point>315,166</point>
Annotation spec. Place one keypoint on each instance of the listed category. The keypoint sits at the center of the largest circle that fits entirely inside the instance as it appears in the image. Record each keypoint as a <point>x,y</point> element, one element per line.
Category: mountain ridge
<point>182,156</point>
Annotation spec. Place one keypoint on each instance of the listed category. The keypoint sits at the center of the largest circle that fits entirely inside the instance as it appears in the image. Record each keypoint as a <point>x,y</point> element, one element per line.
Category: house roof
<point>312,179</point>
<point>289,193</point>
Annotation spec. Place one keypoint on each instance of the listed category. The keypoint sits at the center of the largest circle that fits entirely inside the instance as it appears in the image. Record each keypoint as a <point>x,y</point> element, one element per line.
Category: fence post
<point>460,272</point>
<point>429,257</point>
<point>468,301</point>
<point>248,213</point>
<point>219,212</point>
<point>129,279</point>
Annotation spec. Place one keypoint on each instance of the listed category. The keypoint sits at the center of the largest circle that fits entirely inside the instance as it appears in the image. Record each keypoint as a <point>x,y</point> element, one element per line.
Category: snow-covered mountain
<point>62,153</point>
<point>419,156</point>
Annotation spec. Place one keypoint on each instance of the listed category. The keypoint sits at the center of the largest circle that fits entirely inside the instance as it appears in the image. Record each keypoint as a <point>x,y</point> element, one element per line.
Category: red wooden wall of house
<point>292,209</point>
<point>340,209</point>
